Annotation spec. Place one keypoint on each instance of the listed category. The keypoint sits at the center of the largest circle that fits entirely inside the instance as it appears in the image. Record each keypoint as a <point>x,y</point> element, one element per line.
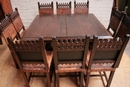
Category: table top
<point>64,26</point>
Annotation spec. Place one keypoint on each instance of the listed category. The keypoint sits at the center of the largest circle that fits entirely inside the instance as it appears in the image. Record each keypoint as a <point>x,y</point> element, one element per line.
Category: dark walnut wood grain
<point>65,25</point>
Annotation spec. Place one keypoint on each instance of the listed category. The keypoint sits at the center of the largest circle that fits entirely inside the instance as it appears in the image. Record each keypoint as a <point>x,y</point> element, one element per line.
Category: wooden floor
<point>11,77</point>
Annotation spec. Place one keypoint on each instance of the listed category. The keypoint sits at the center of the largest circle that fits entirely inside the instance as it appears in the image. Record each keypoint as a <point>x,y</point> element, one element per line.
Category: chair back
<point>28,51</point>
<point>107,51</point>
<point>17,22</point>
<point>70,50</point>
<point>7,29</point>
<point>124,27</point>
<point>115,21</point>
<point>63,8</point>
<point>81,8</point>
<point>45,8</point>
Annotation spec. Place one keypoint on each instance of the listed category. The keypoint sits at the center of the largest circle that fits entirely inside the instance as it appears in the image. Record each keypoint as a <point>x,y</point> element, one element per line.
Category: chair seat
<point>102,67</point>
<point>33,66</point>
<point>76,65</point>
<point>70,67</point>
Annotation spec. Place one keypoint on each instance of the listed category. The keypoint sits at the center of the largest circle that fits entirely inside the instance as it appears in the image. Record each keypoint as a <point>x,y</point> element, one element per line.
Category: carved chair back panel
<point>107,49</point>
<point>124,28</point>
<point>28,50</point>
<point>116,17</point>
<point>63,8</point>
<point>45,8</point>
<point>81,8</point>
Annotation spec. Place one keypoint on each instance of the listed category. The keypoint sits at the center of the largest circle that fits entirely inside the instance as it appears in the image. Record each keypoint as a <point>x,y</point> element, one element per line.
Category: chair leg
<point>105,75</point>
<point>51,74</point>
<point>15,62</point>
<point>48,79</point>
<point>87,79</point>
<point>110,78</point>
<point>81,79</point>
<point>16,65</point>
<point>57,80</point>
<point>54,79</point>
<point>25,79</point>
<point>52,70</point>
<point>102,77</point>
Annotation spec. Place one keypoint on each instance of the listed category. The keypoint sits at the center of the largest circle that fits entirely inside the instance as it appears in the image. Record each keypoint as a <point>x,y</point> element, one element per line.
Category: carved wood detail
<point>45,8</point>
<point>70,44</point>
<point>27,45</point>
<point>63,8</point>
<point>109,44</point>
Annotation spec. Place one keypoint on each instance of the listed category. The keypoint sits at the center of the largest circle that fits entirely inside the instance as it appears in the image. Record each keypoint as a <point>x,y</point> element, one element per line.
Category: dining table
<point>68,25</point>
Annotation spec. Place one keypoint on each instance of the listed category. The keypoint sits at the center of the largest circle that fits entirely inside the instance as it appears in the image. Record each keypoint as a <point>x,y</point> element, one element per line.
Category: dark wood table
<point>65,25</point>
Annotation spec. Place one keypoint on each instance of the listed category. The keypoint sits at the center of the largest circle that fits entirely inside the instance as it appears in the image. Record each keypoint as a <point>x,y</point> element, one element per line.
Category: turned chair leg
<point>57,80</point>
<point>87,79</point>
<point>48,79</point>
<point>110,78</point>
<point>25,79</point>
<point>81,79</point>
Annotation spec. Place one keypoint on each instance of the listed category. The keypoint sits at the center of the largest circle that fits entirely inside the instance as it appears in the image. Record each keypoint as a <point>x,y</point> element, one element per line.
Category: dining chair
<point>81,8</point>
<point>124,27</point>
<point>104,57</point>
<point>7,29</point>
<point>17,22</point>
<point>32,59</point>
<point>45,8</point>
<point>115,21</point>
<point>70,56</point>
<point>63,8</point>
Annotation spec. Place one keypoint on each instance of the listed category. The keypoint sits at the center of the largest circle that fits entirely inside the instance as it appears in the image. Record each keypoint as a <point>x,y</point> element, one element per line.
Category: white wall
<point>28,9</point>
